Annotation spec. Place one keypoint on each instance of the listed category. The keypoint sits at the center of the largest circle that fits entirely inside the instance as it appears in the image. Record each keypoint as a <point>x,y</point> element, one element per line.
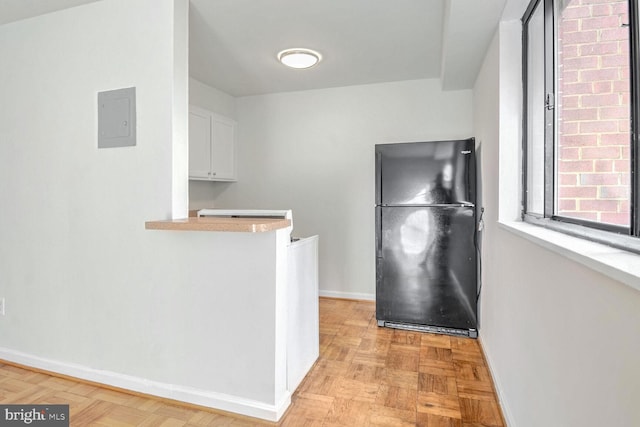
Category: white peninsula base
<point>230,323</point>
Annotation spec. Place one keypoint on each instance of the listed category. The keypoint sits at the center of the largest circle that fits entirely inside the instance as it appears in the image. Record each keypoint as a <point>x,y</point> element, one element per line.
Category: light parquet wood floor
<point>365,376</point>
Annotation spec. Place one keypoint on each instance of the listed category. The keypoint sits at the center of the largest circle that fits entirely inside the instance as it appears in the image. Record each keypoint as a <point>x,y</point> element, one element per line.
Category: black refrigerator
<point>426,236</point>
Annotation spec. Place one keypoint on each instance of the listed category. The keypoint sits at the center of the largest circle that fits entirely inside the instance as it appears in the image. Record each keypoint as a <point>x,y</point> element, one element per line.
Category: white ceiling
<point>233,43</point>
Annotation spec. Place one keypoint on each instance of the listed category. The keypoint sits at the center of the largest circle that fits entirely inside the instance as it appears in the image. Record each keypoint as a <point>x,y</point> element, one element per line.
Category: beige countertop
<point>250,225</point>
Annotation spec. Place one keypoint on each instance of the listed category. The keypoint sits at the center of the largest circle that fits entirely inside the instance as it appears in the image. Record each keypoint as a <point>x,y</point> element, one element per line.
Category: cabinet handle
<point>214,174</point>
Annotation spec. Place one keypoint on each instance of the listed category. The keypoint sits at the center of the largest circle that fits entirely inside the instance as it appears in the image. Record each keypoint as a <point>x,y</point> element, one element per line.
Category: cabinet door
<point>199,144</point>
<point>223,149</point>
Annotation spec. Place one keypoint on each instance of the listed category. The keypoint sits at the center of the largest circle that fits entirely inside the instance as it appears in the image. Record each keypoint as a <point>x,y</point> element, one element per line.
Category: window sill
<point>615,263</point>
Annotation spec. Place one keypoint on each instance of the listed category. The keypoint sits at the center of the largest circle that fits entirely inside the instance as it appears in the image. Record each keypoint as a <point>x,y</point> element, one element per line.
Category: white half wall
<point>561,339</point>
<point>313,152</point>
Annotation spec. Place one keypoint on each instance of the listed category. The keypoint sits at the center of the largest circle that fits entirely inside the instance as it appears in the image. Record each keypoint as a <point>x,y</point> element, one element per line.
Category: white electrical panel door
<point>223,149</point>
<point>199,144</point>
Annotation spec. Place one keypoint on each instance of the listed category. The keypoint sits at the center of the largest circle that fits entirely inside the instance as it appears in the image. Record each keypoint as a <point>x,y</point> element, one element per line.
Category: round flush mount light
<point>299,58</point>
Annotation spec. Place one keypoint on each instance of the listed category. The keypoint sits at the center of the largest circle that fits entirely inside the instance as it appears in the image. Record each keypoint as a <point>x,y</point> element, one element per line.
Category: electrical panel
<point>117,118</point>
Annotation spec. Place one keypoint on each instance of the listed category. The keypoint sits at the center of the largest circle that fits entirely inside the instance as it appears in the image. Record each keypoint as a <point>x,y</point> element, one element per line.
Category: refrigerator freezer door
<point>426,266</point>
<point>425,173</point>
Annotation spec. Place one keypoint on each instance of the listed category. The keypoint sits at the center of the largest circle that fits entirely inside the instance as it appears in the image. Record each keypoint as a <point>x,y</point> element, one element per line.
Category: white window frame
<point>615,236</point>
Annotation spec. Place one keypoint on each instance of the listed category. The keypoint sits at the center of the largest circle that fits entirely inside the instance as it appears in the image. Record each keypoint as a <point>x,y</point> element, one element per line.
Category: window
<point>581,109</point>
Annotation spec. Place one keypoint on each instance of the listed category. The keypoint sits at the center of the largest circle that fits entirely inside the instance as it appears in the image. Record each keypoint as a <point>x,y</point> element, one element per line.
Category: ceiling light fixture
<point>299,58</point>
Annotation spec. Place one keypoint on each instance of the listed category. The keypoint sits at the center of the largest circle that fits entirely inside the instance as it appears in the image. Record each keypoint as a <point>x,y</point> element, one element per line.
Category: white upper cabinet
<point>223,148</point>
<point>212,146</point>
<point>199,144</point>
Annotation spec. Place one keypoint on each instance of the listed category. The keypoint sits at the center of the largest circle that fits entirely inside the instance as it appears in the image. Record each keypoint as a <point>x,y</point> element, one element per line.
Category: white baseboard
<point>347,295</point>
<point>210,399</point>
<point>501,401</point>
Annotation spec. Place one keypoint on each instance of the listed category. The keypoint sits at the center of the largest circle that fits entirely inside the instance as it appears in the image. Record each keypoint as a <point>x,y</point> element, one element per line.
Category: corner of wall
<point>180,113</point>
<point>211,98</point>
<point>510,137</point>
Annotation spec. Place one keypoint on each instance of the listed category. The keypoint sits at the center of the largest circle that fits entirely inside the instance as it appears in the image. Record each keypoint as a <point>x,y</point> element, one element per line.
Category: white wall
<point>72,230</point>
<point>211,99</point>
<point>313,152</point>
<point>562,340</point>
<point>88,290</point>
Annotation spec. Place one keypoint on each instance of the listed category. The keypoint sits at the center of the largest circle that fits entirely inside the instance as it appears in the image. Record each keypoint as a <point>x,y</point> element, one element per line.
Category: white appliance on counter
<point>303,318</point>
<point>248,213</point>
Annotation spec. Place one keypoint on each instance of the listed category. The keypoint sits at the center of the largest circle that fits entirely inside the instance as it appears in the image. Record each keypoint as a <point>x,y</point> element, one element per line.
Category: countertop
<point>250,225</point>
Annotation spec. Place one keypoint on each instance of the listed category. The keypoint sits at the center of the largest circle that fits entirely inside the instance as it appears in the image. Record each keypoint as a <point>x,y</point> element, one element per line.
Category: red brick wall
<point>593,111</point>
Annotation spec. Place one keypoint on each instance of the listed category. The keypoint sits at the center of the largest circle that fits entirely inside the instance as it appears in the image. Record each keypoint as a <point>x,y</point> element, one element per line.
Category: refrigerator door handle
<point>434,205</point>
<point>379,233</point>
